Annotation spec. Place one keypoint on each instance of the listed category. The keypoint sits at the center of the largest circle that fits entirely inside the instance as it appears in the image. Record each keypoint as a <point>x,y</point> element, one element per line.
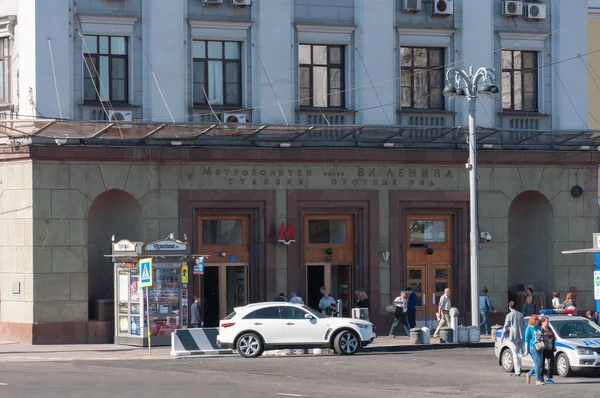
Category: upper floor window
<point>217,72</point>
<point>106,69</point>
<point>519,81</point>
<point>321,76</point>
<point>422,77</point>
<point>4,70</point>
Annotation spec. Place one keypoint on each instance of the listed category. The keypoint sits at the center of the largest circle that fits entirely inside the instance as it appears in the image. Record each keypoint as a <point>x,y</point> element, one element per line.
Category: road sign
<point>596,285</point>
<point>145,272</point>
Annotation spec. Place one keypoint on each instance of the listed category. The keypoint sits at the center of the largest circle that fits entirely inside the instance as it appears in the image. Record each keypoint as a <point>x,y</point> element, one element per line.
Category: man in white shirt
<point>443,312</point>
<point>400,315</point>
<point>296,299</point>
<point>326,304</point>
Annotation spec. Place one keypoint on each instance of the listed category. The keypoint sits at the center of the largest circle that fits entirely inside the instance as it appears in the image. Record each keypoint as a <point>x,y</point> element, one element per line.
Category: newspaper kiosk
<point>164,308</point>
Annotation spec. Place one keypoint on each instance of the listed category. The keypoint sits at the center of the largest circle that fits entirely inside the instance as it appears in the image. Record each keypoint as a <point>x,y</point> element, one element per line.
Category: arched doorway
<point>117,213</point>
<point>530,243</point>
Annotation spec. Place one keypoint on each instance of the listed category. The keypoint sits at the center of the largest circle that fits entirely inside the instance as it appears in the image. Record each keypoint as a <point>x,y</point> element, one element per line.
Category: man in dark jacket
<point>196,314</point>
<point>412,307</point>
<point>281,297</point>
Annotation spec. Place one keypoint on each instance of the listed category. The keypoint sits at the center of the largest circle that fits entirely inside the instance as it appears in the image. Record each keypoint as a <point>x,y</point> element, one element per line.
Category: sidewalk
<point>16,352</point>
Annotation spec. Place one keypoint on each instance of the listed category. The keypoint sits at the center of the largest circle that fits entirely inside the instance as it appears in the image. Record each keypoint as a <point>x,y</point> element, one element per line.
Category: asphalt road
<point>448,373</point>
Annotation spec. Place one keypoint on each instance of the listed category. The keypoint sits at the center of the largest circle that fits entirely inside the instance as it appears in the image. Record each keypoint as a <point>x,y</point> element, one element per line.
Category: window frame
<point>428,68</point>
<point>224,61</point>
<point>329,66</point>
<point>96,71</point>
<point>522,71</point>
<point>6,86</point>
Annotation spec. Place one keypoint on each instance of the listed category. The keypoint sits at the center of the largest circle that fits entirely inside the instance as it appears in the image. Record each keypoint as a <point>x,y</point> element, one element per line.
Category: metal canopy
<point>107,133</point>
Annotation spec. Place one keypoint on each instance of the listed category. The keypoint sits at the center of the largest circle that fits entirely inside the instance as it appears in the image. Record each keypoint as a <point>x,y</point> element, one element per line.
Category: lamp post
<point>466,85</point>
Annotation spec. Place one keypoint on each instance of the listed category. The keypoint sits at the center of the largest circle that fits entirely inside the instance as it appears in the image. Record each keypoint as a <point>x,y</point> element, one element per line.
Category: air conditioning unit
<point>535,11</point>
<point>241,3</point>
<point>443,7</point>
<point>120,116</point>
<point>211,2</point>
<point>237,118</point>
<point>411,5</point>
<point>512,8</point>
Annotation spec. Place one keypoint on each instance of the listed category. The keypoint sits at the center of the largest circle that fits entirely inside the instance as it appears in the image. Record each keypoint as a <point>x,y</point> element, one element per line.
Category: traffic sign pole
<point>148,321</point>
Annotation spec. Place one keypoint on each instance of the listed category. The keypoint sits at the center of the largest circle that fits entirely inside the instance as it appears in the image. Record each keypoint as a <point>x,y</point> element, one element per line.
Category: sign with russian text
<point>124,245</point>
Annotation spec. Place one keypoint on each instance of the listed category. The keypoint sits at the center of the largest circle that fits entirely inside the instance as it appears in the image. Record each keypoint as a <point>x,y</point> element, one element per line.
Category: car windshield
<point>576,329</point>
<point>314,313</point>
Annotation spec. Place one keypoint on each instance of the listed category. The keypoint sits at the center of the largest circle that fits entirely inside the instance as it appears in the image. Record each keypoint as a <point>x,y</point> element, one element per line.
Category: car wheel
<point>249,345</point>
<point>346,343</point>
<point>506,360</point>
<point>563,368</point>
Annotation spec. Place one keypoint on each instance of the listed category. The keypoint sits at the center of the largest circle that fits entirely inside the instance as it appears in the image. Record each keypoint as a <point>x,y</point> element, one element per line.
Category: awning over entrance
<point>59,132</point>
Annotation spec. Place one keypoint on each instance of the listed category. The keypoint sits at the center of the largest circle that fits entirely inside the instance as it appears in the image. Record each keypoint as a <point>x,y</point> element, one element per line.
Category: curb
<point>201,352</point>
<point>425,347</point>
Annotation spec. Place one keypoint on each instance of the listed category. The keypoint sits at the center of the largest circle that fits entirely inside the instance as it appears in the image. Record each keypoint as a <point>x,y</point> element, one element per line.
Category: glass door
<point>237,287</point>
<point>417,281</point>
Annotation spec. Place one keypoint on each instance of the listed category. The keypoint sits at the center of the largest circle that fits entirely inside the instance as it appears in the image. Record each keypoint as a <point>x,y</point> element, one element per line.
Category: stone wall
<point>43,239</point>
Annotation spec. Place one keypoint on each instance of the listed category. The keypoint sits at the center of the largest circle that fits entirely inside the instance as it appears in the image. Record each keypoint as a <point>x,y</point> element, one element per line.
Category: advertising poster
<point>123,324</point>
<point>184,274</point>
<point>135,325</point>
<point>123,287</point>
<point>596,285</point>
<point>134,291</point>
<point>123,308</point>
<point>199,265</point>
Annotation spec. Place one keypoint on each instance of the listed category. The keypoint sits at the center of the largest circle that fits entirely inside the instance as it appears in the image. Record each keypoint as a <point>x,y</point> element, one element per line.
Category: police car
<point>577,344</point>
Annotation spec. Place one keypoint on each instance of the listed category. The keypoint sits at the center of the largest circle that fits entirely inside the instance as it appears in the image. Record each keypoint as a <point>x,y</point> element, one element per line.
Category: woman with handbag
<point>549,341</point>
<point>534,347</point>
<point>400,315</point>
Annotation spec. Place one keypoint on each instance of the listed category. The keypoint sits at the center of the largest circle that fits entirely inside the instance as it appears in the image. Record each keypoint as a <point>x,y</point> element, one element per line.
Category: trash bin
<point>474,334</point>
<point>495,329</point>
<point>416,336</point>
<point>446,335</point>
<point>426,335</point>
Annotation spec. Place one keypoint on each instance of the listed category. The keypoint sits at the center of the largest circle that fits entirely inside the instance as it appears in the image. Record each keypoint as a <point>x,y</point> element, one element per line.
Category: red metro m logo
<point>286,235</point>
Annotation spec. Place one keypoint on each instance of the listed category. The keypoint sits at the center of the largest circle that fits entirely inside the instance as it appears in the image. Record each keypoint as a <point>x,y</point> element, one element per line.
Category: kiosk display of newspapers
<point>151,291</point>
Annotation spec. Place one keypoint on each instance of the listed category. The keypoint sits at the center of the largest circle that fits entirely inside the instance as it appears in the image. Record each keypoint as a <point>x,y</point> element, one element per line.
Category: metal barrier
<point>201,341</point>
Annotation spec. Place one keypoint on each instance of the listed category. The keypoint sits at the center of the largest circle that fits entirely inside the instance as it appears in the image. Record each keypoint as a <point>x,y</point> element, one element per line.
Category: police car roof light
<point>568,311</point>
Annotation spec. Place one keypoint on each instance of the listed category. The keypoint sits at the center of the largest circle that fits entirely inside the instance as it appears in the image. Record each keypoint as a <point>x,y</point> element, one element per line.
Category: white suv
<point>279,325</point>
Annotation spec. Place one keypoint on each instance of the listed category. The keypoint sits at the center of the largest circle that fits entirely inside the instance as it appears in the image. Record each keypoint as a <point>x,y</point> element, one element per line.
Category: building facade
<point>369,174</point>
<point>594,63</point>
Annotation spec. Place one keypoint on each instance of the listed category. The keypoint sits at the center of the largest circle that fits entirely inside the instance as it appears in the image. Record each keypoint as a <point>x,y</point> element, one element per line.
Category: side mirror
<point>308,316</point>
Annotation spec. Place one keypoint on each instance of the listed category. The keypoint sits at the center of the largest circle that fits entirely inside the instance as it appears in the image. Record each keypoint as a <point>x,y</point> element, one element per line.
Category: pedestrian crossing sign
<point>145,272</point>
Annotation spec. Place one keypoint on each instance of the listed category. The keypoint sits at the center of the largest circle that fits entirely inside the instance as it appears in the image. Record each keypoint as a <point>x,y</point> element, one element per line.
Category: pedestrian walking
<point>295,299</point>
<point>400,314</point>
<point>556,299</point>
<point>514,333</point>
<point>593,316</point>
<point>443,312</point>
<point>528,308</point>
<point>196,321</point>
<point>549,340</point>
<point>412,307</point>
<point>569,301</point>
<point>485,306</point>
<point>281,297</point>
<point>534,347</point>
<point>327,303</point>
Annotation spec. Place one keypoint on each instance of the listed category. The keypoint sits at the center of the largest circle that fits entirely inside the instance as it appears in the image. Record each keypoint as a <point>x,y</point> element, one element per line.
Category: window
<point>265,313</point>
<point>217,69</point>
<point>427,231</point>
<point>519,81</point>
<point>293,313</point>
<point>422,77</point>
<point>327,231</point>
<point>4,70</point>
<point>222,232</point>
<point>106,69</point>
<point>321,76</point>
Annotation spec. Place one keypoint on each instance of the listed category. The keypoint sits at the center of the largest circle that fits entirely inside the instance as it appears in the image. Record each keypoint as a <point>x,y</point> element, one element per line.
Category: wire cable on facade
<point>54,76</point>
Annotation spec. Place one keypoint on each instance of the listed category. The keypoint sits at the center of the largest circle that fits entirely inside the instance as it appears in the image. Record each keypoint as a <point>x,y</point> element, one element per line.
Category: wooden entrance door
<point>429,262</point>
